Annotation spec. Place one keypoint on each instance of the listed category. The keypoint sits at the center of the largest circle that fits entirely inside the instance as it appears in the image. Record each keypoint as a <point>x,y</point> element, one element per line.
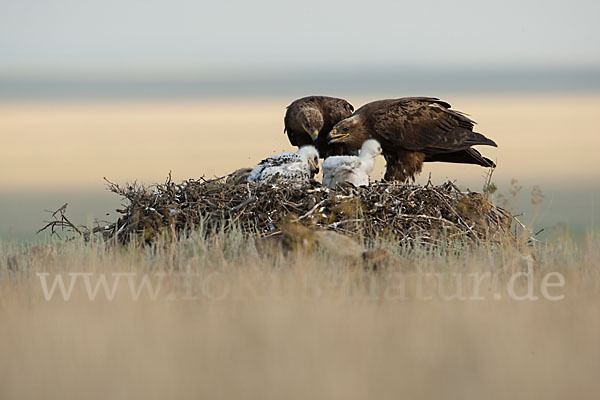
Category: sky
<point>269,35</point>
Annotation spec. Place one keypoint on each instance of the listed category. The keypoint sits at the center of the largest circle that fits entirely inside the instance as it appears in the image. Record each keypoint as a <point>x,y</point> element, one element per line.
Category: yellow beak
<point>335,137</point>
<point>313,135</point>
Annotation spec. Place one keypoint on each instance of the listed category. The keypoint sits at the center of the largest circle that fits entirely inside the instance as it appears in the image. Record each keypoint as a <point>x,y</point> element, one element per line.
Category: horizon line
<point>132,85</point>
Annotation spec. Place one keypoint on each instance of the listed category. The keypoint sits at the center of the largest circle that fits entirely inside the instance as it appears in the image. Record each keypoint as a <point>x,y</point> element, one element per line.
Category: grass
<point>233,321</point>
<point>303,326</point>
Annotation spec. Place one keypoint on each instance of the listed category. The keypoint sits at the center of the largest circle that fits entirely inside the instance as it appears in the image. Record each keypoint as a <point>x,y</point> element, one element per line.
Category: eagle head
<point>370,148</point>
<point>311,156</point>
<point>349,131</point>
<point>311,120</point>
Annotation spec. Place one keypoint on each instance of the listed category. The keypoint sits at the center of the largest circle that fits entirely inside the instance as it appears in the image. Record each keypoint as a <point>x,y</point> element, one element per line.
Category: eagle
<point>299,167</point>
<point>413,130</point>
<point>309,120</point>
<point>353,169</point>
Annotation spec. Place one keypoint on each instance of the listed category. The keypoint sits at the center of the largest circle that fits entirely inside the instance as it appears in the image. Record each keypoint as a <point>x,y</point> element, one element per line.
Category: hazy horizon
<point>391,82</point>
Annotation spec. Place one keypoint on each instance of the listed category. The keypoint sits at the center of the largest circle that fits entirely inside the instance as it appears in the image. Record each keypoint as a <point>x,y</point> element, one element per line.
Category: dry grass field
<point>220,317</point>
<point>226,320</point>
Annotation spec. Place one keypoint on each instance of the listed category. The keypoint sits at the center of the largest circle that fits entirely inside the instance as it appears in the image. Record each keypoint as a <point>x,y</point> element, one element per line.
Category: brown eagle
<point>309,120</point>
<point>413,130</point>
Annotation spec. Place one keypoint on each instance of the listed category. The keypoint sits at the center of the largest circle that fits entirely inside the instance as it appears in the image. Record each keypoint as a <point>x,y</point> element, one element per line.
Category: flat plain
<point>207,317</point>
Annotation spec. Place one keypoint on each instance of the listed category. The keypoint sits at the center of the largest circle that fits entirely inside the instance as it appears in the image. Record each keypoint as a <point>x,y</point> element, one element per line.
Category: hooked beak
<point>336,137</point>
<point>315,166</point>
<point>313,135</point>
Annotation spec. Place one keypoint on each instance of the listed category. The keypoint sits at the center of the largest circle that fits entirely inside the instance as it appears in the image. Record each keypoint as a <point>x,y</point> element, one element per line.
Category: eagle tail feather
<point>478,139</point>
<point>468,156</point>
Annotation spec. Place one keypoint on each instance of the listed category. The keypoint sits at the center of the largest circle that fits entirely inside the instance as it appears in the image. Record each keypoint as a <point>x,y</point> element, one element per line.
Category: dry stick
<point>459,218</point>
<point>61,210</point>
<point>526,229</point>
<point>62,223</point>
<point>312,210</point>
<point>338,223</point>
<point>244,203</point>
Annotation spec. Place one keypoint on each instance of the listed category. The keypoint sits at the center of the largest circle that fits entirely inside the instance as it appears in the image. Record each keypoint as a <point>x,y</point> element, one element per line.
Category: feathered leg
<point>403,166</point>
<point>393,169</point>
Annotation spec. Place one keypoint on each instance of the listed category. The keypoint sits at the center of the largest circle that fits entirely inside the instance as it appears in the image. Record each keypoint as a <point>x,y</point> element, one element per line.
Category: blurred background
<point>131,90</point>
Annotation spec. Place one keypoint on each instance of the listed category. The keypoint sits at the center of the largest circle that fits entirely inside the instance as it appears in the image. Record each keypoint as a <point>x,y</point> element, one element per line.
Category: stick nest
<point>407,213</point>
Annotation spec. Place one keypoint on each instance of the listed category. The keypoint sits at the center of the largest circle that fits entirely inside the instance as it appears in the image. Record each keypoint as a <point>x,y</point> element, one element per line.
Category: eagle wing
<point>287,122</point>
<point>339,169</point>
<point>334,110</point>
<point>281,159</point>
<point>340,163</point>
<point>423,124</point>
<point>285,172</point>
<point>344,169</point>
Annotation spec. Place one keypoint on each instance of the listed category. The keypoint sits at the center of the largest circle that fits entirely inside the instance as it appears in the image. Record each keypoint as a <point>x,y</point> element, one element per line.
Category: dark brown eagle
<point>310,119</point>
<point>413,130</point>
